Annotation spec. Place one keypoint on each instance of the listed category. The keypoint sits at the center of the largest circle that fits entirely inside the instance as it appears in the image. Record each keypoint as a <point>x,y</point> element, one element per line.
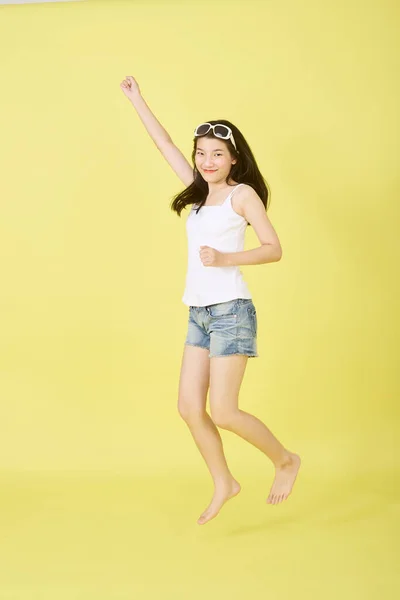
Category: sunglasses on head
<point>222,131</point>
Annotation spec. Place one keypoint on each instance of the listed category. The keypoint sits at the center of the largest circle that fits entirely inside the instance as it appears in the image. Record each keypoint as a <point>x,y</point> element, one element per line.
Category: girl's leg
<point>226,375</point>
<point>192,399</point>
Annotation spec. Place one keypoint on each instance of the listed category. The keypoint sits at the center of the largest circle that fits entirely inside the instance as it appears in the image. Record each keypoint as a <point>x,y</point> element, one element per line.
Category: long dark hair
<point>245,170</point>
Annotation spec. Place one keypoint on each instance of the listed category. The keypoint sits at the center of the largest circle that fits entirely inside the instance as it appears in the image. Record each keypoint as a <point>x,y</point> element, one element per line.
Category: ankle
<point>223,480</point>
<point>284,461</point>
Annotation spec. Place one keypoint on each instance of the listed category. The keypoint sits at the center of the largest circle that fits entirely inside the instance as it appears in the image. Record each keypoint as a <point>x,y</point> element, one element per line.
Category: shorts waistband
<point>235,302</point>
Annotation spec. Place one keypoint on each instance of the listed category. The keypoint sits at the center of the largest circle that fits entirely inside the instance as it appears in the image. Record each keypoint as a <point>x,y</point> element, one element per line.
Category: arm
<point>253,210</point>
<point>265,253</point>
<point>158,134</point>
<point>249,205</point>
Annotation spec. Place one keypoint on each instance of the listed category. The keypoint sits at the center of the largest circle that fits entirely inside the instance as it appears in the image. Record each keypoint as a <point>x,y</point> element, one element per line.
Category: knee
<point>223,418</point>
<point>189,410</point>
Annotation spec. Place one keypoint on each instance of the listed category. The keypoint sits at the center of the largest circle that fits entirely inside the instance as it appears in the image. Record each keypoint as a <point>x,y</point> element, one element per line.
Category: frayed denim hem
<point>235,354</point>
<point>197,346</point>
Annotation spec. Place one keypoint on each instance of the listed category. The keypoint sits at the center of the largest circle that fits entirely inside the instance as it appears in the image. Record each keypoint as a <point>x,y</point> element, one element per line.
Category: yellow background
<point>101,482</point>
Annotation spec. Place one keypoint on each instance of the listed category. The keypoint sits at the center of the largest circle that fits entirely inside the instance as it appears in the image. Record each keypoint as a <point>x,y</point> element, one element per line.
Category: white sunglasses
<point>222,131</point>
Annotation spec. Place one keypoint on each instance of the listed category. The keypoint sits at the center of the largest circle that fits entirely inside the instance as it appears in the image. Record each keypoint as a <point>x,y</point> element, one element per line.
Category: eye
<point>217,153</point>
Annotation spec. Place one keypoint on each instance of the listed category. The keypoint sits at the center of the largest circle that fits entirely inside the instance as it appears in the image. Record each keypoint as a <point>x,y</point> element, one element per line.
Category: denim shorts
<point>224,329</point>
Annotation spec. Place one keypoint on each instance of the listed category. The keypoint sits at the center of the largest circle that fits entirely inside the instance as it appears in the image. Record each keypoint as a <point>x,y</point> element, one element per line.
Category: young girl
<point>227,193</point>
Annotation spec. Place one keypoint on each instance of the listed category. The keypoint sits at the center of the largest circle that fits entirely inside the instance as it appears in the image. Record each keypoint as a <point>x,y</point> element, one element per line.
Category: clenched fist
<point>210,257</point>
<point>130,87</point>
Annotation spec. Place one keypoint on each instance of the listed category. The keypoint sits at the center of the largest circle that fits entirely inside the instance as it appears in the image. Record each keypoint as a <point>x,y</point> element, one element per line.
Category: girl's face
<point>213,159</point>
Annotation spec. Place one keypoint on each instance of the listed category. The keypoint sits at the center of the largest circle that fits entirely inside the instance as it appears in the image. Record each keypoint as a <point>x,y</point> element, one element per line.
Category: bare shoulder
<point>250,206</point>
<point>244,195</point>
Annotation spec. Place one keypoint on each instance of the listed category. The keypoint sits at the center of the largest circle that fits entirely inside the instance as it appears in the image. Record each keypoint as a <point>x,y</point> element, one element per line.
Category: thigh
<point>233,328</point>
<point>194,380</point>
<point>197,334</point>
<point>226,376</point>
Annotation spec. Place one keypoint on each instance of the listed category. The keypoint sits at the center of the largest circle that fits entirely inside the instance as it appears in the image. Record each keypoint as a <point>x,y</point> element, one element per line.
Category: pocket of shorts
<point>251,310</point>
<point>223,310</point>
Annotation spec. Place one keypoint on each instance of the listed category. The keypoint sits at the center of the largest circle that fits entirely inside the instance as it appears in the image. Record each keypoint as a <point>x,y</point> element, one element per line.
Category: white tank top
<point>222,228</point>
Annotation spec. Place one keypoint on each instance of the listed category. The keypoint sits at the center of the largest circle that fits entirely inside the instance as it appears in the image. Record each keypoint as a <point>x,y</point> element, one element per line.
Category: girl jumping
<point>226,193</point>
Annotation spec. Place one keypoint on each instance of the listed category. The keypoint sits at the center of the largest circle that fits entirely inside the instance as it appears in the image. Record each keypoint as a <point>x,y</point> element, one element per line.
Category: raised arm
<point>158,134</point>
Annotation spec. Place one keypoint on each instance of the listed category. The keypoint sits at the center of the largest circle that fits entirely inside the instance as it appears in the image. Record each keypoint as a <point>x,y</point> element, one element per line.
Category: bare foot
<point>285,476</point>
<point>221,495</point>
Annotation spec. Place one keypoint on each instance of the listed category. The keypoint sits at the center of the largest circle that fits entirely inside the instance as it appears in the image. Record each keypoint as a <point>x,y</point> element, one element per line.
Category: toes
<point>202,520</point>
<point>202,517</point>
<point>276,498</point>
<point>205,517</point>
<point>282,497</point>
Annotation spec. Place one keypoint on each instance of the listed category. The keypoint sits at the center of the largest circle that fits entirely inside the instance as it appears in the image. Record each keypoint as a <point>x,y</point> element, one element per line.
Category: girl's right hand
<point>130,87</point>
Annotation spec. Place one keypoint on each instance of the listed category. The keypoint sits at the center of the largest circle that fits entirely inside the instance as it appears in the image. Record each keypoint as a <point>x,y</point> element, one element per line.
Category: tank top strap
<point>235,188</point>
<point>228,201</point>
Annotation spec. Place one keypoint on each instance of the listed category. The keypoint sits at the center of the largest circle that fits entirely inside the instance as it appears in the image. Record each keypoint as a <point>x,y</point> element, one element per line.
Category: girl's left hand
<point>210,257</point>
